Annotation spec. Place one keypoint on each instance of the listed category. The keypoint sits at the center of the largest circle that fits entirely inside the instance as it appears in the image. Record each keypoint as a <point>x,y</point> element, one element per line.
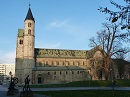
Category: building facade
<point>5,70</point>
<point>49,65</point>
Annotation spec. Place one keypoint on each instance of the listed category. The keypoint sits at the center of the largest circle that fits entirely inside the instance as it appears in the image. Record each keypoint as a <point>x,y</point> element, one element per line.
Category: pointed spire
<point>29,15</point>
<point>29,5</point>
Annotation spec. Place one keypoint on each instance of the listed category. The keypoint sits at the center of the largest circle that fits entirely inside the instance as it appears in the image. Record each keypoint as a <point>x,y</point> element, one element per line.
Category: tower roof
<point>20,32</point>
<point>29,15</point>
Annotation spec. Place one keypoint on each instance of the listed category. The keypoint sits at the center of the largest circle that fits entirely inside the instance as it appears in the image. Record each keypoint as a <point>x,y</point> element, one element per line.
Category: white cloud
<point>57,24</point>
<point>68,27</point>
<point>7,57</point>
<point>47,45</point>
<point>70,30</point>
<point>54,46</point>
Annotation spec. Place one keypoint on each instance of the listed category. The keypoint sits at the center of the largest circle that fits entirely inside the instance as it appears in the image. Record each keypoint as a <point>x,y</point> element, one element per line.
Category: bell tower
<point>25,48</point>
<point>28,46</point>
<point>29,25</point>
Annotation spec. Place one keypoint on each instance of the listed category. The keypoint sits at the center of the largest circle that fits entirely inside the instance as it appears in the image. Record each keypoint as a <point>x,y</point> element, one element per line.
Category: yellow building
<point>6,68</point>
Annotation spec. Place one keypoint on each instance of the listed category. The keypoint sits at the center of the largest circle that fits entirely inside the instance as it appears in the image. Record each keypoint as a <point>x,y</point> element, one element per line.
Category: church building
<point>49,65</point>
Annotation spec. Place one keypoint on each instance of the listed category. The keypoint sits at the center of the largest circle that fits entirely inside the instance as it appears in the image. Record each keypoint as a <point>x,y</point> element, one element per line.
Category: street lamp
<point>112,78</point>
<point>10,73</point>
<point>111,74</point>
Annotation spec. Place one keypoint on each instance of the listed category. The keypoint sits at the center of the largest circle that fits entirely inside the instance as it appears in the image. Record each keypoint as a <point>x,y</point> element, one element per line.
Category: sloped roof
<point>60,53</point>
<point>20,32</point>
<point>29,15</point>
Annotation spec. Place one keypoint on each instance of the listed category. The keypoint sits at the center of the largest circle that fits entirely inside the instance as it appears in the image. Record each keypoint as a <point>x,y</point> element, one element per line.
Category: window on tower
<point>21,41</point>
<point>29,31</point>
<point>29,24</point>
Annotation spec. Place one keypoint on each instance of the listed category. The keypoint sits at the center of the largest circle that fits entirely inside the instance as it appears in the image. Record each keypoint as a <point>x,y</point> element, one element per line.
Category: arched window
<point>29,24</point>
<point>55,73</point>
<point>63,63</point>
<point>57,63</point>
<point>73,63</point>
<point>46,62</point>
<point>52,63</point>
<point>29,31</point>
<point>21,41</point>
<point>40,63</point>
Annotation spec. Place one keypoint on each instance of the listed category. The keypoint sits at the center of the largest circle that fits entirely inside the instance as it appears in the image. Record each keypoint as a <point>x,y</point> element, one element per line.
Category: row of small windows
<point>29,25</point>
<point>2,66</point>
<point>67,72</point>
<point>61,63</point>
<point>2,71</point>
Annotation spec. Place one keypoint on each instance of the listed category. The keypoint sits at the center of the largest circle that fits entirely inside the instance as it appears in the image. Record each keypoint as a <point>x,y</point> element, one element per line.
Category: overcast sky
<point>60,24</point>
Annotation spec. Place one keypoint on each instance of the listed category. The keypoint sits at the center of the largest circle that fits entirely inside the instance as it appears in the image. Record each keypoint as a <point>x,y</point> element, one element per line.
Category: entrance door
<point>39,80</point>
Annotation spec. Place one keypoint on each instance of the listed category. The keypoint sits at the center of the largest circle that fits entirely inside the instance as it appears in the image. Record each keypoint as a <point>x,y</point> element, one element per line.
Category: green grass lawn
<point>86,93</point>
<point>92,83</point>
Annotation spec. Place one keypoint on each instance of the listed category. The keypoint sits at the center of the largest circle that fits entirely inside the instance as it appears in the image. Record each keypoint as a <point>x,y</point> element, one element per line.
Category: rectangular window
<point>63,63</point>
<point>72,72</point>
<point>46,62</point>
<point>73,63</point>
<point>48,73</point>
<point>68,63</point>
<point>52,63</point>
<point>57,63</point>
<point>66,72</point>
<point>83,63</point>
<point>77,72</point>
<point>78,63</point>
<point>60,72</point>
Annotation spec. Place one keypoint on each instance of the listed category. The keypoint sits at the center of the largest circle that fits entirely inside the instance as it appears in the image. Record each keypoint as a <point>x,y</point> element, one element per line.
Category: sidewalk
<point>4,89</point>
<point>78,88</point>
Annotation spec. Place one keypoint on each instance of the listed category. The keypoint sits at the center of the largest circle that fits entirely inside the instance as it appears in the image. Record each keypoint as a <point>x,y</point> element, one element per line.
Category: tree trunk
<point>106,75</point>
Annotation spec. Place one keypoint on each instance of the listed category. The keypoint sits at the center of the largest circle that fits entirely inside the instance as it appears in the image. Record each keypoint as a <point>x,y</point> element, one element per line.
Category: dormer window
<point>29,31</point>
<point>29,24</point>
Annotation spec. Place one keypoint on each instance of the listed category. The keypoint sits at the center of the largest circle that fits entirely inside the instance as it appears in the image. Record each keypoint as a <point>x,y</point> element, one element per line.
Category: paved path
<point>78,88</point>
<point>4,89</point>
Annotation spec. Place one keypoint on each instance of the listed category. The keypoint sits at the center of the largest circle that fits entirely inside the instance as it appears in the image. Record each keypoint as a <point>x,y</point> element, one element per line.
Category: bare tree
<point>123,15</point>
<point>109,43</point>
<point>96,68</point>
